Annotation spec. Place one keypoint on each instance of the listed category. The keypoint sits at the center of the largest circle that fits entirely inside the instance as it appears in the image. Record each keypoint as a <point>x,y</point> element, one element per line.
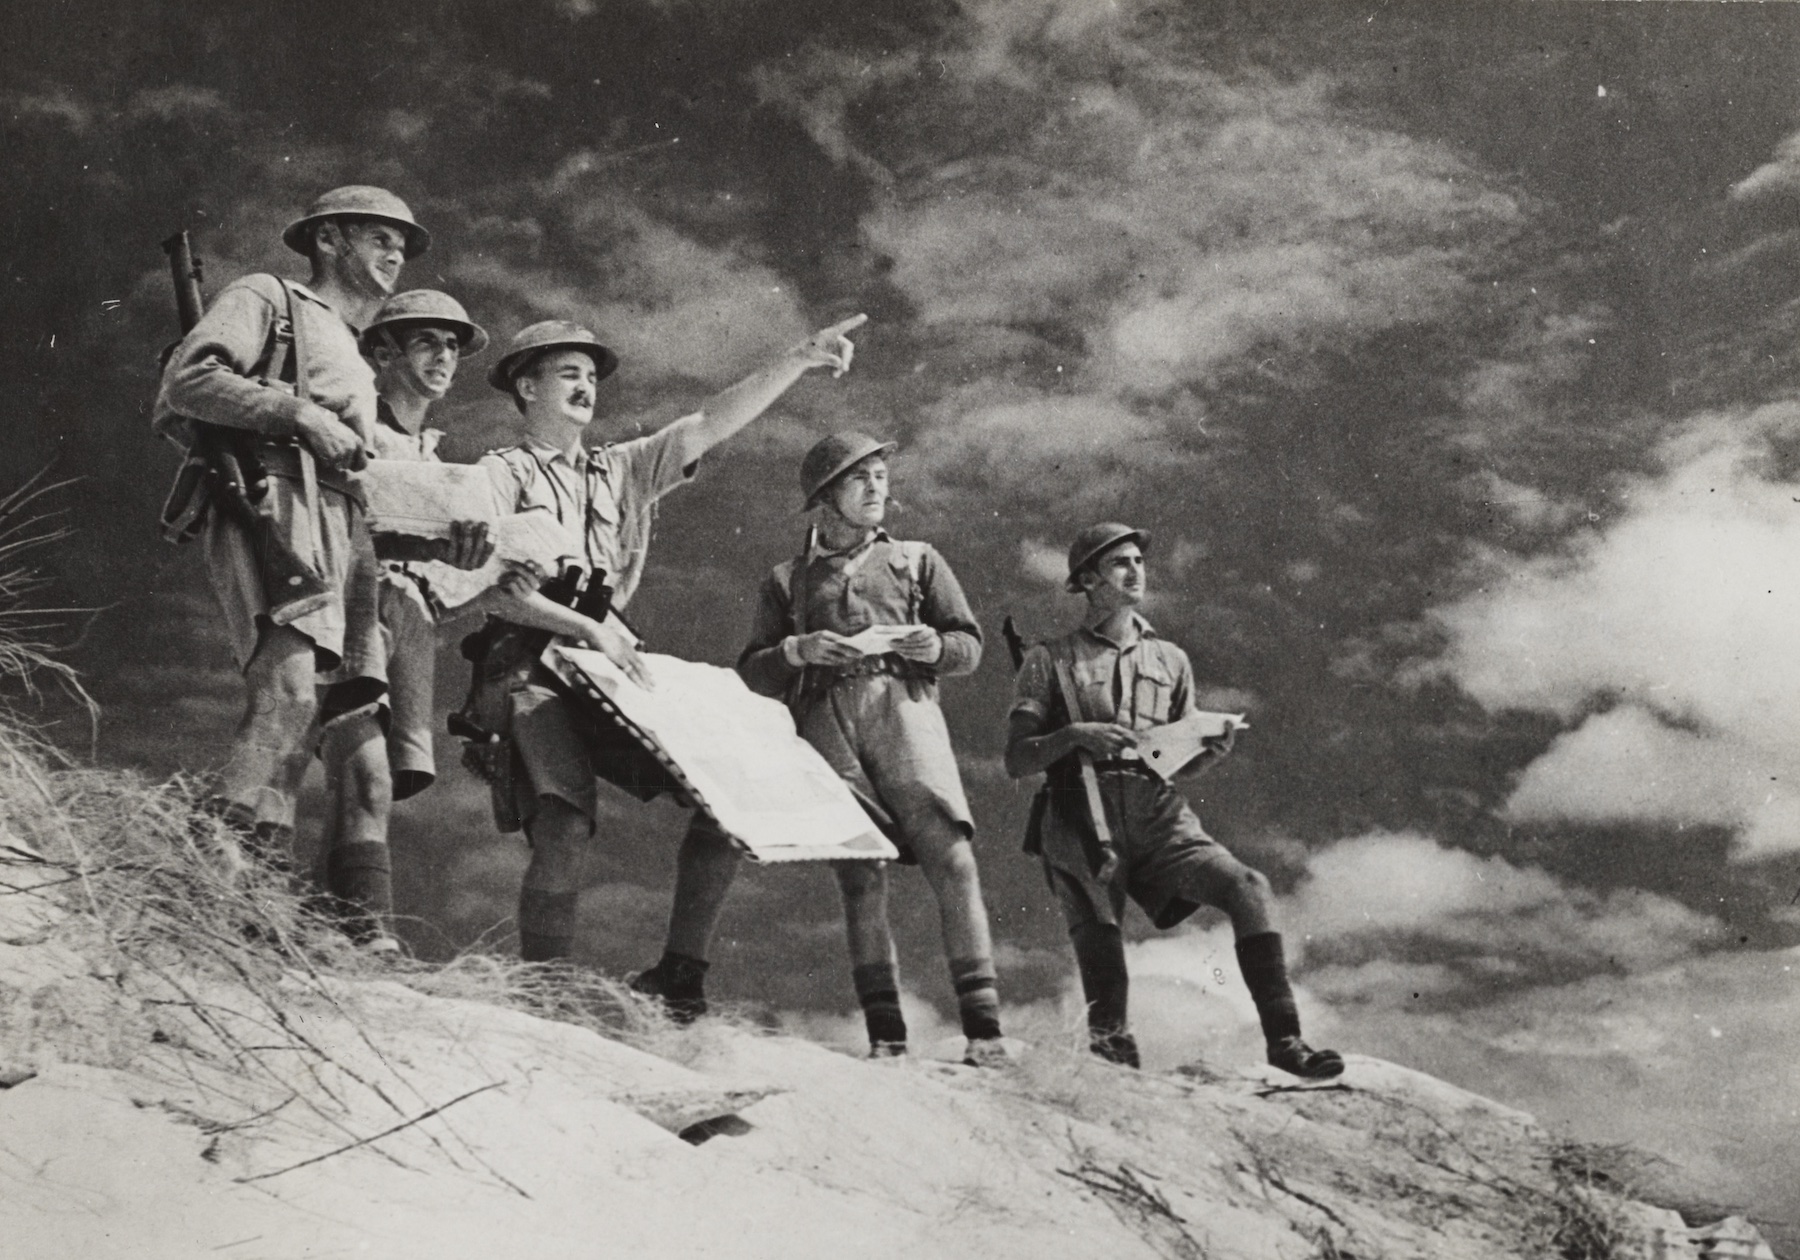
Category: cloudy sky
<point>1449,351</point>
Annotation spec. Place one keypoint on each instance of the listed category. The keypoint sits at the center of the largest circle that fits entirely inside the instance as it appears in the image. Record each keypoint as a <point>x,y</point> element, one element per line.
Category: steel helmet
<point>550,334</point>
<point>831,457</point>
<point>358,201</point>
<point>427,306</point>
<point>1094,541</point>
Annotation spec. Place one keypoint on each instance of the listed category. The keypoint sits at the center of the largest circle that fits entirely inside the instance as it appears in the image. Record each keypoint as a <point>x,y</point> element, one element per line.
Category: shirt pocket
<point>1152,693</point>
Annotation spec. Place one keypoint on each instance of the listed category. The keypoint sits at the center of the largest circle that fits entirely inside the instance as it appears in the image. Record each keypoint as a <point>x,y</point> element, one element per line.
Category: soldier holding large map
<point>604,496</point>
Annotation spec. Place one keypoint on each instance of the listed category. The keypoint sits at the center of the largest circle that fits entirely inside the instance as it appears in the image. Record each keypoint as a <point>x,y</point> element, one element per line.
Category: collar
<point>551,452</point>
<point>384,414</point>
<point>818,549</point>
<point>1141,630</point>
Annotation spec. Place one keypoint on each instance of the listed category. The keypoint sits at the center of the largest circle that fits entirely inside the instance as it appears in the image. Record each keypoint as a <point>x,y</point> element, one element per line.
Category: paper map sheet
<point>736,752</point>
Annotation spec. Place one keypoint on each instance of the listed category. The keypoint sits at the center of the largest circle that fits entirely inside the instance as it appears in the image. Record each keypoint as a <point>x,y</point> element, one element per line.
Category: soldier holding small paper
<point>1085,702</point>
<point>856,631</point>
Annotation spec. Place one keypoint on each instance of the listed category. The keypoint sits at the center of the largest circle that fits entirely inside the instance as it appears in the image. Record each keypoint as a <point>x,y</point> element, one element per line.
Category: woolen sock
<point>1105,983</point>
<point>546,924</point>
<point>360,878</point>
<point>1264,966</point>
<point>977,997</point>
<point>878,989</point>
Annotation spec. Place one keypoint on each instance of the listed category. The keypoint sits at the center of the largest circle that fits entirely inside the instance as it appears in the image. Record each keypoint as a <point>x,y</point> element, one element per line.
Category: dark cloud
<point>1456,392</point>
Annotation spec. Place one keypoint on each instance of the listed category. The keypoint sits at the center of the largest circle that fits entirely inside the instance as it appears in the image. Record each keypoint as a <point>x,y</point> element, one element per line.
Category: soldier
<point>1126,681</point>
<point>416,341</point>
<point>235,370</point>
<point>606,495</point>
<point>876,720</point>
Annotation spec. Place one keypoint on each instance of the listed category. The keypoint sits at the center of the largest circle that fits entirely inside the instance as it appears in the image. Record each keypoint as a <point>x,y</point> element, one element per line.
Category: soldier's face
<point>1119,579</point>
<point>860,496</point>
<point>426,361</point>
<point>561,385</point>
<point>366,254</point>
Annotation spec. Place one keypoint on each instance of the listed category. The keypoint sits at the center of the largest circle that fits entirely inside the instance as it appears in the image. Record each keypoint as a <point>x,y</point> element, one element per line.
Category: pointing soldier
<point>275,364</point>
<point>605,495</point>
<point>416,341</point>
<point>1091,694</point>
<point>874,716</point>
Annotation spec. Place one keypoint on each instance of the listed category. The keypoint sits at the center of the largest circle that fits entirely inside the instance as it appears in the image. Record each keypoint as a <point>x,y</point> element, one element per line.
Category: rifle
<point>1084,760</point>
<point>223,472</point>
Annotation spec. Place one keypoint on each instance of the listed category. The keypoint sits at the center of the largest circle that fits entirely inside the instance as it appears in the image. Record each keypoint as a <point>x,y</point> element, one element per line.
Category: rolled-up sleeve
<point>649,467</point>
<point>211,375</point>
<point>762,665</point>
<point>946,609</point>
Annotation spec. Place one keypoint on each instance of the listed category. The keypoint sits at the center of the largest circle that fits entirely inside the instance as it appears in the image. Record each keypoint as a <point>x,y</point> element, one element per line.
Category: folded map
<point>424,497</point>
<point>1170,749</point>
<point>533,539</point>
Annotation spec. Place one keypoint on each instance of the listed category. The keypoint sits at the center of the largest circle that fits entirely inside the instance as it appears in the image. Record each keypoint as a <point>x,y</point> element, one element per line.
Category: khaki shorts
<point>1163,851</point>
<point>550,752</point>
<point>886,738</point>
<point>346,633</point>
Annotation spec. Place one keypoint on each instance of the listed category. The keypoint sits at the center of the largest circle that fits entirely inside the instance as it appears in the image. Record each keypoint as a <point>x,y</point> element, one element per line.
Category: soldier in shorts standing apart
<point>606,497</point>
<point>416,341</point>
<point>357,239</point>
<point>876,720</point>
<point>1127,680</point>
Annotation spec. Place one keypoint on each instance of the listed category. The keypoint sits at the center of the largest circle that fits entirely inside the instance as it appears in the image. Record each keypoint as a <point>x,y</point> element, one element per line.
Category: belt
<point>282,459</point>
<point>869,666</point>
<point>1124,765</point>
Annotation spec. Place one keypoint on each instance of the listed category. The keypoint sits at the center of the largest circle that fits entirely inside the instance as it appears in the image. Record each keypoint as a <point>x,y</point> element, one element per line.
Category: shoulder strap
<point>1061,660</point>
<point>797,591</point>
<point>287,337</point>
<point>913,553</point>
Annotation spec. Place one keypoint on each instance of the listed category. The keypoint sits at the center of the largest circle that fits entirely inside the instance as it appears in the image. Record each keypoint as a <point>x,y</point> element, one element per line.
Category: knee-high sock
<point>546,924</point>
<point>1100,955</point>
<point>1264,965</point>
<point>977,997</point>
<point>878,989</point>
<point>361,877</point>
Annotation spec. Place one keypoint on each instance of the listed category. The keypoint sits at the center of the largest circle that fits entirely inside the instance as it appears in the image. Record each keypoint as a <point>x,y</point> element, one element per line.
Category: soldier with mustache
<point>605,496</point>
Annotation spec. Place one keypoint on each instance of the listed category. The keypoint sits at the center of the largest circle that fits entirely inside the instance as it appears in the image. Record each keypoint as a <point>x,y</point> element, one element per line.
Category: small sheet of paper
<point>533,539</point>
<point>879,640</point>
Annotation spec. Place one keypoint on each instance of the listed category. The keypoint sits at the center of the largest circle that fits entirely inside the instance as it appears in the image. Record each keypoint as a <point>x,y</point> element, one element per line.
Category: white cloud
<point>1780,175</point>
<point>1679,618</point>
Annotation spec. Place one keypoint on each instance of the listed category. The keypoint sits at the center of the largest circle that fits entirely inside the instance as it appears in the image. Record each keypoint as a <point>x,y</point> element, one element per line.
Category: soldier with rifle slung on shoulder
<point>527,739</point>
<point>1107,826</point>
<point>272,399</point>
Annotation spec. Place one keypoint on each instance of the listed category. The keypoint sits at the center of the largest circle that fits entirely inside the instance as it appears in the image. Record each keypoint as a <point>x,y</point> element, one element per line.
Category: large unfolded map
<point>735,753</point>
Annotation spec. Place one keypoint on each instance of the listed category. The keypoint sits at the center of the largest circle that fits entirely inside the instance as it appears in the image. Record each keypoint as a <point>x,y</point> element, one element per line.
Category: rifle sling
<point>1090,781</point>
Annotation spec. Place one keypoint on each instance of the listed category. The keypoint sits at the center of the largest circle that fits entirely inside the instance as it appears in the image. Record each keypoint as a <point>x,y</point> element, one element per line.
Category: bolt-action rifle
<point>222,472</point>
<point>1084,760</point>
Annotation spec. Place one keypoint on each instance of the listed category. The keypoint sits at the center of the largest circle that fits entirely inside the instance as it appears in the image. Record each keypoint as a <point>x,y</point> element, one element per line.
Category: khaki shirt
<point>606,494</point>
<point>213,375</point>
<point>393,442</point>
<point>847,592</point>
<point>1144,683</point>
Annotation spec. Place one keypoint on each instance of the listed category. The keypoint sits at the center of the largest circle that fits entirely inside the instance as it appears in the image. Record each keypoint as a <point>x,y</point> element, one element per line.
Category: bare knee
<point>281,679</point>
<point>860,881</point>
<point>952,866</point>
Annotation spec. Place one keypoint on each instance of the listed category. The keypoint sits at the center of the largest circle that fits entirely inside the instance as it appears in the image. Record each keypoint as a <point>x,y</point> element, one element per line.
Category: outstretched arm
<point>731,409</point>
